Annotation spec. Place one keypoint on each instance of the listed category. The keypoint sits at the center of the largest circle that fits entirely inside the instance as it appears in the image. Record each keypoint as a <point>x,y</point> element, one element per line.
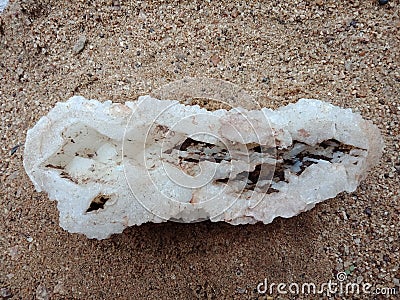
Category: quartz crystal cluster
<point>111,165</point>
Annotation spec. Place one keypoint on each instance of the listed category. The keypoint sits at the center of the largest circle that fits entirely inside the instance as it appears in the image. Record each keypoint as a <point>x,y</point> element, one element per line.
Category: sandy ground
<point>344,52</point>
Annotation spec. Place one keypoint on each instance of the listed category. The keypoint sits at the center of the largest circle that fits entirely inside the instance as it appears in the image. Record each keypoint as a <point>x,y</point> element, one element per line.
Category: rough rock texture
<point>110,166</point>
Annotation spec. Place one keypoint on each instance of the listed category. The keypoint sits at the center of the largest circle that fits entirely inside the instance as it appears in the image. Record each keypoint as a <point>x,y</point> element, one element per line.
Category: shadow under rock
<point>215,258</point>
<point>282,244</point>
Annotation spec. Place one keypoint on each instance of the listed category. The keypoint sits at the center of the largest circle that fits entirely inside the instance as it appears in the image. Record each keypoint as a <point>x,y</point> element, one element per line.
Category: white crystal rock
<point>111,165</point>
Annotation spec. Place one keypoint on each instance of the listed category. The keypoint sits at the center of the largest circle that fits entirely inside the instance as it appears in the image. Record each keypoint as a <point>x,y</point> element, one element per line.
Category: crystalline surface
<point>110,166</point>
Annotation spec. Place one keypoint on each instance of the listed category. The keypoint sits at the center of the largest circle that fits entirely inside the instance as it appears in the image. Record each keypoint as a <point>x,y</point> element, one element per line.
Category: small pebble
<point>396,281</point>
<point>353,23</point>
<point>397,169</point>
<point>234,13</point>
<point>386,258</point>
<point>42,293</point>
<point>13,175</point>
<point>382,2</point>
<point>5,293</point>
<point>347,66</point>
<point>59,288</point>
<point>215,60</point>
<point>20,71</point>
<point>80,44</point>
<point>13,251</point>
<point>14,149</point>
<point>368,211</point>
